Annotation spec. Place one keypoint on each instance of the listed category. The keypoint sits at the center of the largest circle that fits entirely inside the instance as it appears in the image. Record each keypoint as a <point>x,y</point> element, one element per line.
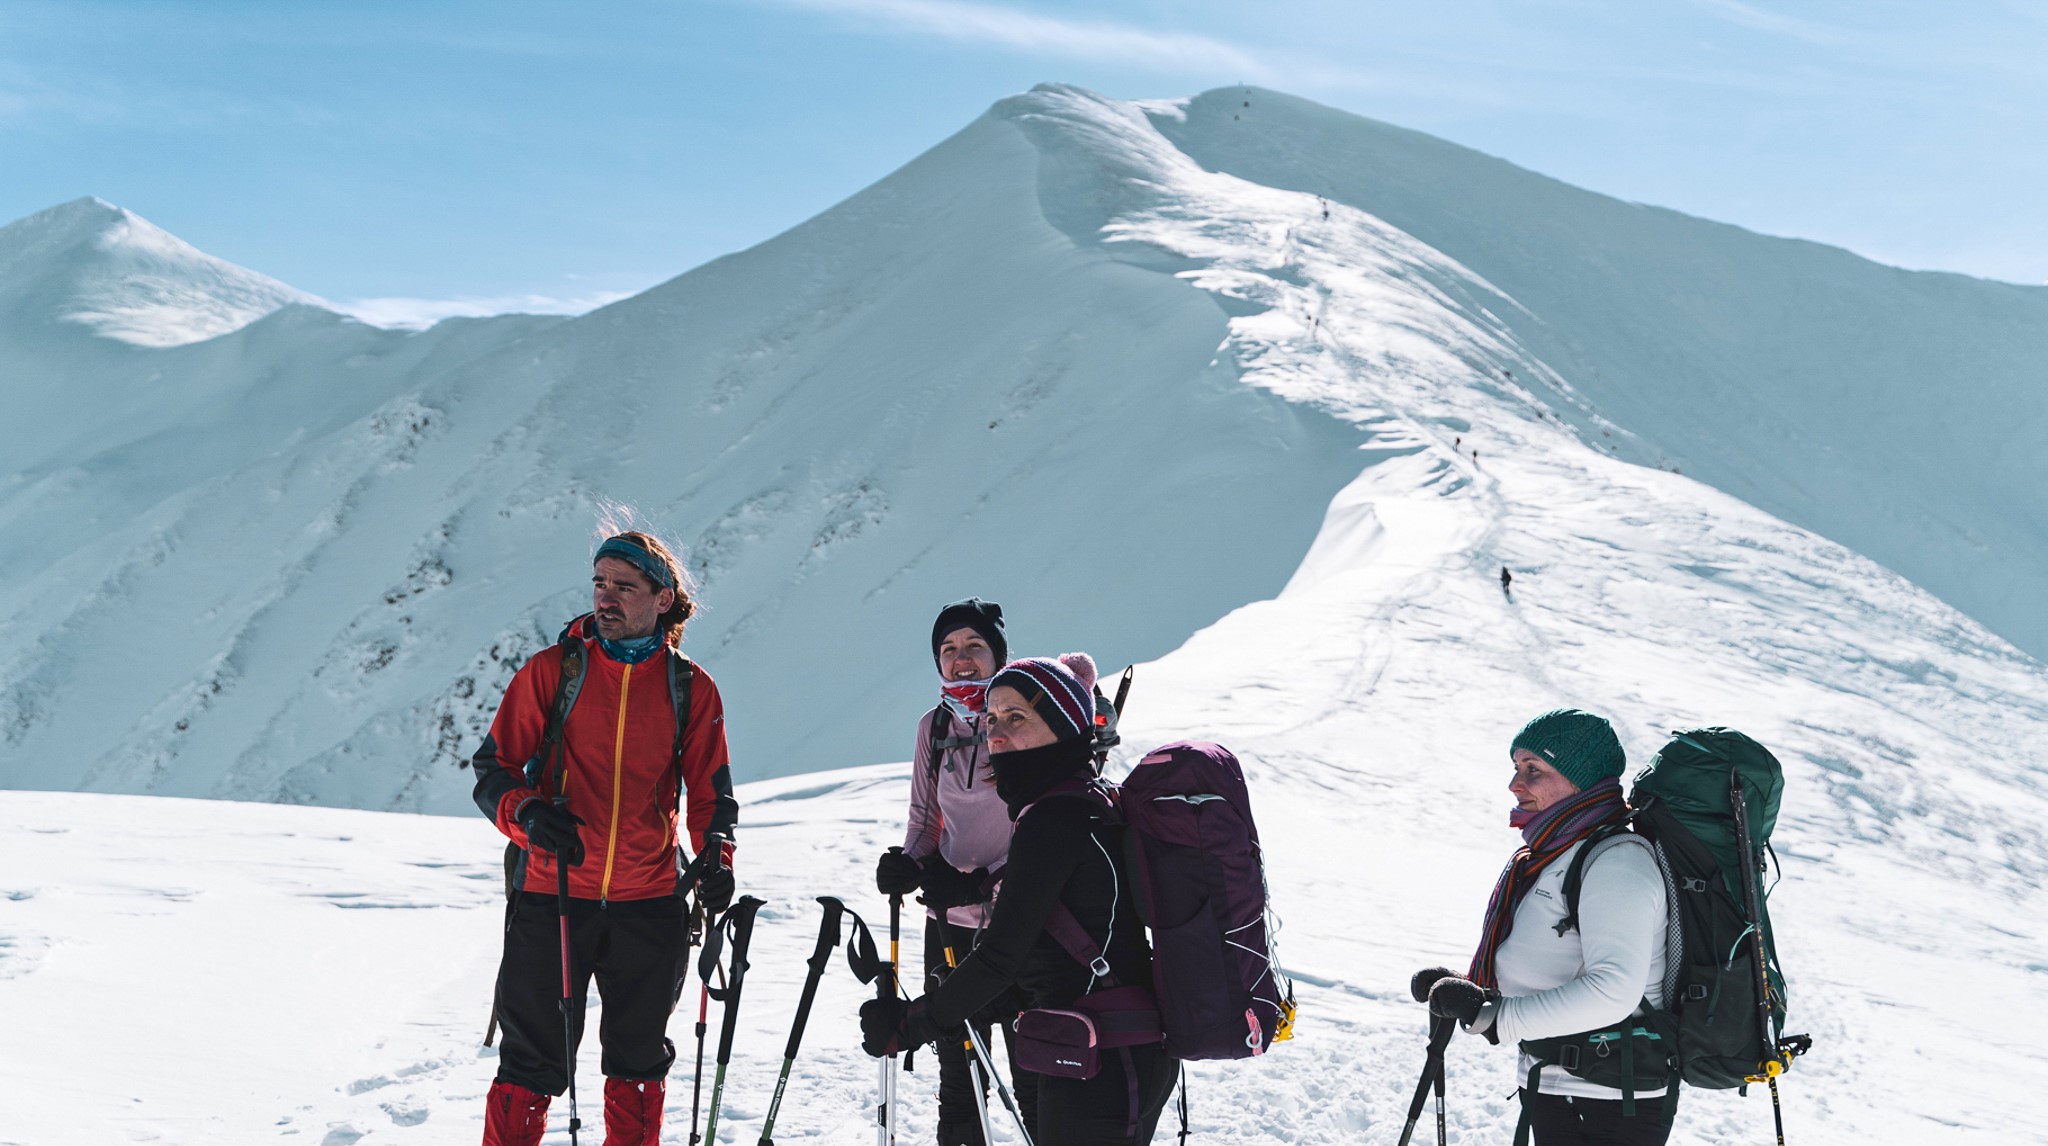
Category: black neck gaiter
<point>1027,774</point>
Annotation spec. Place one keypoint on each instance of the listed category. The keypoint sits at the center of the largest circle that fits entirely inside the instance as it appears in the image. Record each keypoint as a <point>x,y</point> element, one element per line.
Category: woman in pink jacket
<point>959,832</point>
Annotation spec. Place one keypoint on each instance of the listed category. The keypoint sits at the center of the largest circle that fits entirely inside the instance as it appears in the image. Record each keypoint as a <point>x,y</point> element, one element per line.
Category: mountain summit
<point>1111,363</point>
<point>123,277</point>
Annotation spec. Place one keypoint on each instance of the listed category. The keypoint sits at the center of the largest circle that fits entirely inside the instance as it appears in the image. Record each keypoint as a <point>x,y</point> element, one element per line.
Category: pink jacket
<point>954,809</point>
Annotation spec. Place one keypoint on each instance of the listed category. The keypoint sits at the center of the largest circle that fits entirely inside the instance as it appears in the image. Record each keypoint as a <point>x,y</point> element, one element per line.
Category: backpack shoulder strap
<point>575,661</point>
<point>1575,875</point>
<point>1075,940</point>
<point>935,738</point>
<point>681,672</point>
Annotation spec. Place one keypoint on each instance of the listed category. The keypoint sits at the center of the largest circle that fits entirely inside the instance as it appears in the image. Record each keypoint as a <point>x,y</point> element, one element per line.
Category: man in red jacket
<point>603,797</point>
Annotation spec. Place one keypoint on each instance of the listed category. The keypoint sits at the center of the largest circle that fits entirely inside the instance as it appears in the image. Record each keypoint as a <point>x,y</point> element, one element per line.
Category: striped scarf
<point>1547,835</point>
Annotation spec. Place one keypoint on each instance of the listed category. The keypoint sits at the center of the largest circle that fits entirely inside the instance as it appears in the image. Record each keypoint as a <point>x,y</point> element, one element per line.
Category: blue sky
<point>510,154</point>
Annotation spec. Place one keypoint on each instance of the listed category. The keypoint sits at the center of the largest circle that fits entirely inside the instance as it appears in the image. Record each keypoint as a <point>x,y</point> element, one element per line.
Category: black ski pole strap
<point>739,921</point>
<point>862,956</point>
<point>1528,1105</point>
<point>1183,1090</point>
<point>736,927</point>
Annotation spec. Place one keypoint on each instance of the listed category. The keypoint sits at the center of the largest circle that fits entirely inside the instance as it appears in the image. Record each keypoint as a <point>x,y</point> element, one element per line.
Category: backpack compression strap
<point>937,743</point>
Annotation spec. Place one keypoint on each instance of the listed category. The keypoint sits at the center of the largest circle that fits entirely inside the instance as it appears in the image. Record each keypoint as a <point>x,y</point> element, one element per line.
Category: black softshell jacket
<point>1067,849</point>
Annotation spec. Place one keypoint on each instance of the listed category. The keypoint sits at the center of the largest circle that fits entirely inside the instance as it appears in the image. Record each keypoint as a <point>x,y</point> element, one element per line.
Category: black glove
<point>947,886</point>
<point>891,1026</point>
<point>552,830</point>
<point>1460,999</point>
<point>714,889</point>
<point>1000,1010</point>
<point>880,1023</point>
<point>897,873</point>
<point>1420,982</point>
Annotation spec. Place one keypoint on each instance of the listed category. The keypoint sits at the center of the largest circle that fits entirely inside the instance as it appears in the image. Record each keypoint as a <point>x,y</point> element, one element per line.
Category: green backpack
<point>1724,994</point>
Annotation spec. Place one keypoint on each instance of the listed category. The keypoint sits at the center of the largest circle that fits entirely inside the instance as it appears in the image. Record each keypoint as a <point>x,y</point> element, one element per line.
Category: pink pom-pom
<point>1083,667</point>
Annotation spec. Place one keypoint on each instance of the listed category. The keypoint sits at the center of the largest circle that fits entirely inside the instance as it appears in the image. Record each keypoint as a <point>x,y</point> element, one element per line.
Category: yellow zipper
<point>611,846</point>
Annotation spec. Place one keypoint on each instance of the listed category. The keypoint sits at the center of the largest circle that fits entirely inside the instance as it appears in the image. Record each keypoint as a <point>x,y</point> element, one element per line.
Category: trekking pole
<point>1752,909</point>
<point>568,994</point>
<point>711,856</point>
<point>739,922</point>
<point>1432,1072</point>
<point>1441,1140</point>
<point>988,1068</point>
<point>703,1007</point>
<point>697,1080</point>
<point>886,988</point>
<point>973,1065</point>
<point>828,938</point>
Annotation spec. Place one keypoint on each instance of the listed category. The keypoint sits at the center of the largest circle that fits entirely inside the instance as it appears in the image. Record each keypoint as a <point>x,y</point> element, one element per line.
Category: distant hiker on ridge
<point>605,797</point>
<point>959,830</point>
<point>1506,579</point>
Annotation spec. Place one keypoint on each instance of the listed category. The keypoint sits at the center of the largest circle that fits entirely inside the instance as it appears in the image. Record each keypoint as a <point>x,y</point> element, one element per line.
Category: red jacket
<point>620,773</point>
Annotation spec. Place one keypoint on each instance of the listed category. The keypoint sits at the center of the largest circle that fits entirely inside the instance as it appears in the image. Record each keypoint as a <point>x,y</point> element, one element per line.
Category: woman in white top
<point>1537,978</point>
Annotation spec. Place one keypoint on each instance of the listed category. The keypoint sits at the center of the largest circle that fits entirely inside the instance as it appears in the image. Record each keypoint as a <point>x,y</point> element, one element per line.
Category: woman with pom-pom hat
<point>1062,869</point>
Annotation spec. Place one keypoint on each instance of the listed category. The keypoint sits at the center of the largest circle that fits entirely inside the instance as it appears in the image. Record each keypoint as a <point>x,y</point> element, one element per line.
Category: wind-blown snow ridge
<point>123,277</point>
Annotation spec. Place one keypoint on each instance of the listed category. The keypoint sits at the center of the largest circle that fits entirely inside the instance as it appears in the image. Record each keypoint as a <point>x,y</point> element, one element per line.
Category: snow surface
<point>302,558</point>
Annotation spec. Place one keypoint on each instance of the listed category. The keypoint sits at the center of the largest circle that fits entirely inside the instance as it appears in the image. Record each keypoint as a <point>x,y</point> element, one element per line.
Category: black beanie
<point>984,617</point>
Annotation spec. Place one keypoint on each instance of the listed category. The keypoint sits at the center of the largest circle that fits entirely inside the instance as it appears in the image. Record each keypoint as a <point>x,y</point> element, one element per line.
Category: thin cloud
<point>420,313</point>
<point>1762,20</point>
<point>1049,35</point>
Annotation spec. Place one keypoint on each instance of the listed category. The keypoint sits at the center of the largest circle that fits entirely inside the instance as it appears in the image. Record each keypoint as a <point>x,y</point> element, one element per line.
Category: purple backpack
<point>1194,855</point>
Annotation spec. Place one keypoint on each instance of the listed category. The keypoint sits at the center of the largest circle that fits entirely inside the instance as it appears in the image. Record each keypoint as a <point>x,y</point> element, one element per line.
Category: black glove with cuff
<point>947,886</point>
<point>551,829</point>
<point>892,1026</point>
<point>897,873</point>
<point>1463,1000</point>
<point>1420,982</point>
<point>714,889</point>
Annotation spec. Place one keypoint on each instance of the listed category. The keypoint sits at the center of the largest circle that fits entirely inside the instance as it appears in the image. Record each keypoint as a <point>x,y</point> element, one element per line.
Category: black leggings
<point>957,1107</point>
<point>1097,1111</point>
<point>1560,1120</point>
<point>636,950</point>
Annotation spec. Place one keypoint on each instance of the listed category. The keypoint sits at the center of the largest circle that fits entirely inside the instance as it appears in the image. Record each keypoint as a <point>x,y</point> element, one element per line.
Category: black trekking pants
<point>1099,1111</point>
<point>957,1109</point>
<point>635,948</point>
<point>1561,1120</point>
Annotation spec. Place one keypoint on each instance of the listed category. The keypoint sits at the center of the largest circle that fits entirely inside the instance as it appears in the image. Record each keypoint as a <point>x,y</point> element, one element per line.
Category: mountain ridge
<point>1058,315</point>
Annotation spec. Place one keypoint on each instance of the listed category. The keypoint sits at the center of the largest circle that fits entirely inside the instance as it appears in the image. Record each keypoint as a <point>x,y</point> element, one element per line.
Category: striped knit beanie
<point>1578,744</point>
<point>1061,691</point>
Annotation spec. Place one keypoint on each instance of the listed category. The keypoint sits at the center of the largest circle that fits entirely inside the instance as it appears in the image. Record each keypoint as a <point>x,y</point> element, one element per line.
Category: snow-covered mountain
<point>1066,359</point>
<point>123,277</point>
<point>1071,360</point>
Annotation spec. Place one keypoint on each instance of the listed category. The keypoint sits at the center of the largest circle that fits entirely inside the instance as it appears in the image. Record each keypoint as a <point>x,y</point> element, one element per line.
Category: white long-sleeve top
<point>1593,977</point>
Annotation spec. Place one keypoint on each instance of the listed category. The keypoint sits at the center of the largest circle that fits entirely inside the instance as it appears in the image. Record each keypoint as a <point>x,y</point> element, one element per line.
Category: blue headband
<point>638,558</point>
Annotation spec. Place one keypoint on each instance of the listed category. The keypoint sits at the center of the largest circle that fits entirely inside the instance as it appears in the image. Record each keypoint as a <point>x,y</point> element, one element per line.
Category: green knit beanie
<point>1578,744</point>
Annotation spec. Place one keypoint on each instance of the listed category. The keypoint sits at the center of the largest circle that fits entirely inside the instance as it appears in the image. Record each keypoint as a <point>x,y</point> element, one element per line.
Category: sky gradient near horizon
<point>478,155</point>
